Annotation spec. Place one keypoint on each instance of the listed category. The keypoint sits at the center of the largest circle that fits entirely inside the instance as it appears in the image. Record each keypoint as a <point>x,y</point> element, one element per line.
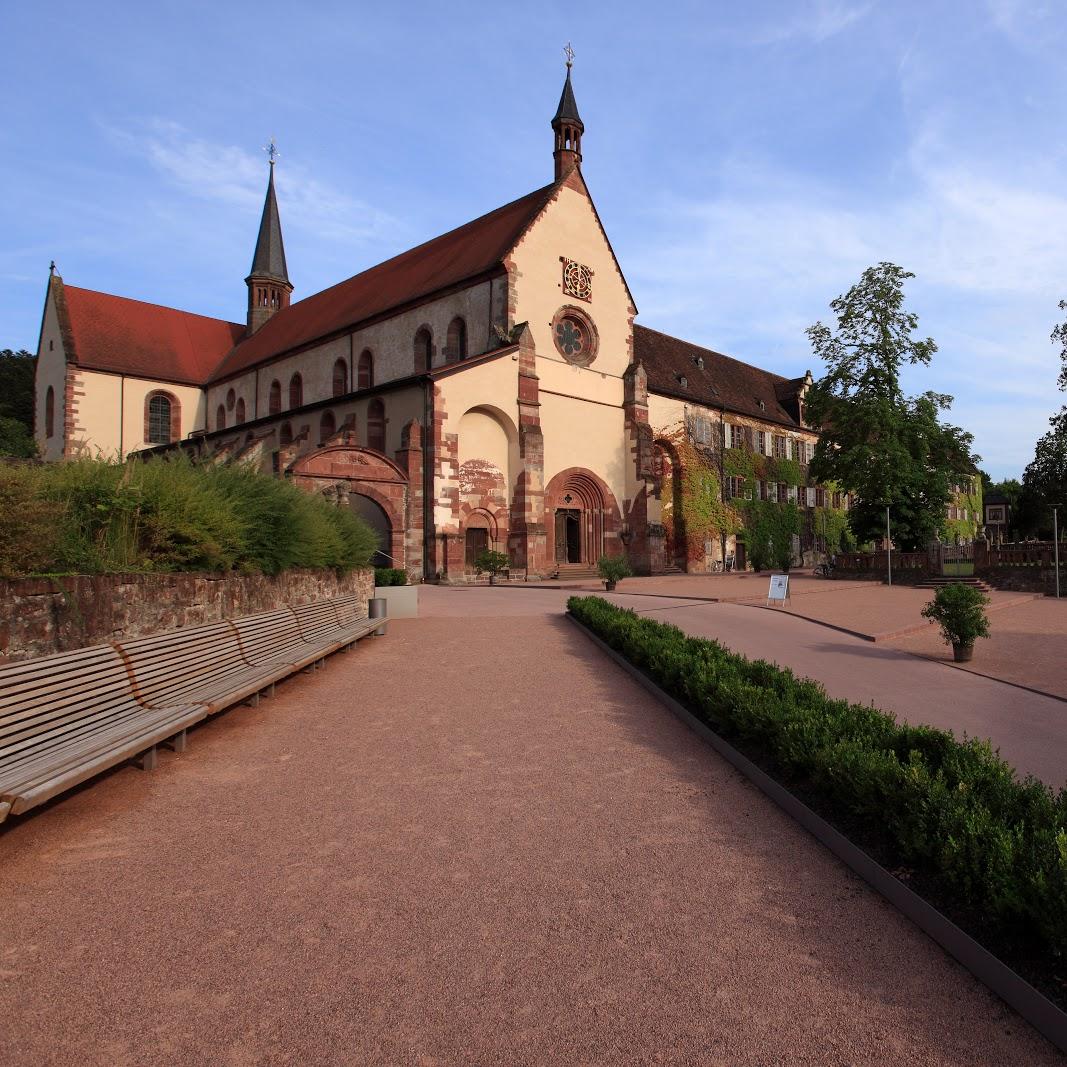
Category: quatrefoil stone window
<point>577,280</point>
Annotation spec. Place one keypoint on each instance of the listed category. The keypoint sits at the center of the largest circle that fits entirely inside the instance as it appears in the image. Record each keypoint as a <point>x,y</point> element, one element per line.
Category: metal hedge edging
<point>996,975</point>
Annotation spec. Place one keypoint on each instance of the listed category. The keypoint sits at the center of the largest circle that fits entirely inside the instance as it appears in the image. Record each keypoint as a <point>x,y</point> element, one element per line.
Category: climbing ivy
<point>965,529</point>
<point>705,516</point>
<point>785,470</point>
<point>769,532</point>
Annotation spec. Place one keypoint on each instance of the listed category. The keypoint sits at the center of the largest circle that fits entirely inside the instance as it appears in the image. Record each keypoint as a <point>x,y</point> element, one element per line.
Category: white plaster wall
<point>568,228</point>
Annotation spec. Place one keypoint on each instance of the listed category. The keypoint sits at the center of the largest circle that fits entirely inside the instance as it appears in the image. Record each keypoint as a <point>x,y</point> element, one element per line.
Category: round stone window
<point>574,336</point>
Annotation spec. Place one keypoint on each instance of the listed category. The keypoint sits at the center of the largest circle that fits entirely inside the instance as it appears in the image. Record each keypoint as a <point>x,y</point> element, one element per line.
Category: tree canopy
<point>16,403</point>
<point>888,448</point>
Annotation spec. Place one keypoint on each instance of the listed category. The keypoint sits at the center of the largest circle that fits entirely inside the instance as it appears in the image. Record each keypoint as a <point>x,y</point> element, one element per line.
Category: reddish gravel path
<point>473,841</point>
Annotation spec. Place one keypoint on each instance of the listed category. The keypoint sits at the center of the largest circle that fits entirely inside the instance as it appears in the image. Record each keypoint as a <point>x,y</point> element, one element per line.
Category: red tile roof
<point>722,381</point>
<point>463,253</point>
<point>112,333</point>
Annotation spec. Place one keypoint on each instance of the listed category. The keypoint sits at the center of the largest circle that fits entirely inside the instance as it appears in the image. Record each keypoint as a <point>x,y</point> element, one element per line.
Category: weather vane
<point>569,53</point>
<point>272,150</point>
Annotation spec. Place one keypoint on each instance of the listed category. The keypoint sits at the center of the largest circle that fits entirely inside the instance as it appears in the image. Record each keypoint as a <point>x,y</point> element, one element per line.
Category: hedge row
<point>951,811</point>
<point>385,576</point>
<point>92,516</point>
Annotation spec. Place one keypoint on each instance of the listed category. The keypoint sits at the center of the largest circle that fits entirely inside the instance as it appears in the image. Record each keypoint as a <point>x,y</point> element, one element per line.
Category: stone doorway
<point>568,535</point>
<point>477,542</point>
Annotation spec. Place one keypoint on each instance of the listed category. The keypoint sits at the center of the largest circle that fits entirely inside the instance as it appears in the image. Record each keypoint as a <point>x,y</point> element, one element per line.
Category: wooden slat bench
<point>67,717</point>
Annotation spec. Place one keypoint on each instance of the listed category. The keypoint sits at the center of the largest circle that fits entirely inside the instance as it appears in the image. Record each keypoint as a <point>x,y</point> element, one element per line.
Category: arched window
<point>376,425</point>
<point>275,403</point>
<point>340,378</point>
<point>49,412</point>
<point>162,419</point>
<point>285,435</point>
<point>423,351</point>
<point>220,418</point>
<point>456,347</point>
<point>240,416</point>
<point>296,391</point>
<point>231,399</point>
<point>327,427</point>
<point>365,369</point>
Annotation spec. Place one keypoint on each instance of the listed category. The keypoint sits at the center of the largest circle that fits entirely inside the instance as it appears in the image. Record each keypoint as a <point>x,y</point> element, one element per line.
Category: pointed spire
<point>567,125</point>
<point>268,280</point>
<point>568,106</point>
<point>269,260</point>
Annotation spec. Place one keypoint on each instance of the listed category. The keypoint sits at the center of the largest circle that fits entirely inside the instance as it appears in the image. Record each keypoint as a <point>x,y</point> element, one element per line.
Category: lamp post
<point>1056,544</point>
<point>888,548</point>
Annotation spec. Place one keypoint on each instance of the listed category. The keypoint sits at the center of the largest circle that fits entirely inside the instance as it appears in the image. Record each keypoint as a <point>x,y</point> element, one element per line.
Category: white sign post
<point>779,589</point>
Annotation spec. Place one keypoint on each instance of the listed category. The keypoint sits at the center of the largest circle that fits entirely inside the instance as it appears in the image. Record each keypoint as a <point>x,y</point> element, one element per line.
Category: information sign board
<point>779,588</point>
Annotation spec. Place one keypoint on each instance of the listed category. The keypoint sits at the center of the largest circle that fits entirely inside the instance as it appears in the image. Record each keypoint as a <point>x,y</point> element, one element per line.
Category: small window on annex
<point>220,417</point>
<point>239,415</point>
<point>160,410</point>
<point>365,370</point>
<point>296,391</point>
<point>456,344</point>
<point>376,425</point>
<point>423,351</point>
<point>274,404</point>
<point>340,378</point>
<point>50,412</point>
<point>327,427</point>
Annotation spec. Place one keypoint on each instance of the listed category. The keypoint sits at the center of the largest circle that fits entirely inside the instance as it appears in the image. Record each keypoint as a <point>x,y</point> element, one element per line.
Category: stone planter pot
<point>401,601</point>
<point>962,653</point>
<point>492,579</point>
<point>609,586</point>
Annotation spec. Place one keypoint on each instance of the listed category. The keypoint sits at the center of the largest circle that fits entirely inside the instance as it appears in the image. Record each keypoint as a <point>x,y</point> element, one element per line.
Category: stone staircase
<point>576,572</point>
<point>937,583</point>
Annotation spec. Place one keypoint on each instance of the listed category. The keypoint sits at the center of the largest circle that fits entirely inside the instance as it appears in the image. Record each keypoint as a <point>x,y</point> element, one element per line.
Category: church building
<point>487,389</point>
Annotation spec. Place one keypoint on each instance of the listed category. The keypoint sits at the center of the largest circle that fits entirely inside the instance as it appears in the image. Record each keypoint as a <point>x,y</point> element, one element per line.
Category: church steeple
<point>268,281</point>
<point>567,125</point>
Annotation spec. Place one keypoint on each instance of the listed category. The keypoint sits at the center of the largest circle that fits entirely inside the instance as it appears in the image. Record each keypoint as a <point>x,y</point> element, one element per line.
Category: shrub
<point>94,517</point>
<point>613,568</point>
<point>952,811</point>
<point>959,610</point>
<point>384,576</point>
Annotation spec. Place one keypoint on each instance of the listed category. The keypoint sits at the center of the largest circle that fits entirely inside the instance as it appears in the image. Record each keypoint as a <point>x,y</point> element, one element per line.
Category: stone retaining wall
<point>40,616</point>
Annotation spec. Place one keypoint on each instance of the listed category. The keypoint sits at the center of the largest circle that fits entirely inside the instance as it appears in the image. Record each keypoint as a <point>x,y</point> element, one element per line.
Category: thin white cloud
<point>816,21</point>
<point>232,175</point>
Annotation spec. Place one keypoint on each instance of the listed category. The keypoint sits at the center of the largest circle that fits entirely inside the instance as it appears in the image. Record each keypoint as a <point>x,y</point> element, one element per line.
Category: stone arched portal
<point>582,518</point>
<point>363,480</point>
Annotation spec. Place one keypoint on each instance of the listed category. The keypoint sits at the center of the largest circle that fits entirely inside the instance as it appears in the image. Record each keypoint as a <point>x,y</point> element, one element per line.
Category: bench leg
<point>254,700</point>
<point>178,742</point>
<point>148,760</point>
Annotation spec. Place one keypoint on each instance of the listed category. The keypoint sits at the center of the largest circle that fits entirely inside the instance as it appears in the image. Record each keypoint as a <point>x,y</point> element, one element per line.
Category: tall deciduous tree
<point>887,448</point>
<point>16,403</point>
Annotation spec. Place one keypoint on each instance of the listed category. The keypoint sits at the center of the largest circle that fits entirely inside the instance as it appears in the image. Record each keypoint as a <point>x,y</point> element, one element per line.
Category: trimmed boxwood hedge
<point>951,813</point>
<point>385,576</point>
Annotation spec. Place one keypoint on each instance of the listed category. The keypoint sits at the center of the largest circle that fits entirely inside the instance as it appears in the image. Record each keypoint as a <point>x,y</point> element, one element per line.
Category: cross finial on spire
<point>569,53</point>
<point>272,150</point>
<point>52,267</point>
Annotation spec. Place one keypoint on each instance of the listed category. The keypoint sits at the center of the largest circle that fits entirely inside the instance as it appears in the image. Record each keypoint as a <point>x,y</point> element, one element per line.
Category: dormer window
<point>699,361</point>
<point>683,381</point>
<point>762,405</point>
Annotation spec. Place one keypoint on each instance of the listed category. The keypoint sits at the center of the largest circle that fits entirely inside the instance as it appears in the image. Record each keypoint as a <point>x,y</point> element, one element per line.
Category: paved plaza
<point>473,841</point>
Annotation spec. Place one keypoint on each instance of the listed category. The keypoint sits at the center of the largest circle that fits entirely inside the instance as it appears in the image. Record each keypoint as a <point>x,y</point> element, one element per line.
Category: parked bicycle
<point>825,570</point>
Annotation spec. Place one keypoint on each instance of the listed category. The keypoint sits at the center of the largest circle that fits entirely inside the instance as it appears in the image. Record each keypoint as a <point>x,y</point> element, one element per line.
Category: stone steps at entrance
<point>936,583</point>
<point>576,570</point>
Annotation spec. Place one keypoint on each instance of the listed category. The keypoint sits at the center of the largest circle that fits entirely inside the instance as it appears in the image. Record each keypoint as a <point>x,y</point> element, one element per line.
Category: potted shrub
<point>491,562</point>
<point>613,569</point>
<point>960,612</point>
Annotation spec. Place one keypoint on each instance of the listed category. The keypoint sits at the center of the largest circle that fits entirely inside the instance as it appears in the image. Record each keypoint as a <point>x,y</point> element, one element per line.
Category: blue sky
<point>748,160</point>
